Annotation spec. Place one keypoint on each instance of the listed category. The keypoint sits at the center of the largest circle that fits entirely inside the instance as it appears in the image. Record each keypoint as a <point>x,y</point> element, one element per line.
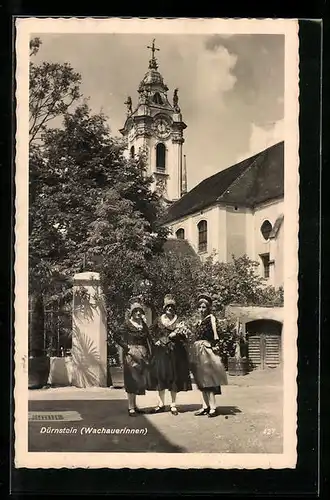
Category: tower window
<point>160,156</point>
<point>157,99</point>
<point>265,229</point>
<point>202,236</point>
<point>180,234</point>
<point>266,264</point>
<point>132,152</point>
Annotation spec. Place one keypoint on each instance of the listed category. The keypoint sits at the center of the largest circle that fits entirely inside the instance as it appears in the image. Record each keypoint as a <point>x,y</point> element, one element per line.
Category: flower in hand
<point>182,330</point>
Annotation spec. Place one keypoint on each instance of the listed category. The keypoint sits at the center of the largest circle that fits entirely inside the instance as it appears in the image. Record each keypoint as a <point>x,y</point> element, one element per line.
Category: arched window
<point>180,234</point>
<point>160,156</point>
<point>202,236</point>
<point>157,99</point>
<point>266,229</point>
<point>132,151</point>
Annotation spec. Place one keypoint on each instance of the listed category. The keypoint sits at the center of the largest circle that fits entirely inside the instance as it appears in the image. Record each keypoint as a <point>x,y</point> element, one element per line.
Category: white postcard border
<point>23,458</point>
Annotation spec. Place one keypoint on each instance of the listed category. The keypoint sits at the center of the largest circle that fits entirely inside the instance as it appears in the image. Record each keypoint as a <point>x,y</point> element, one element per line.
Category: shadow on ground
<point>221,410</point>
<point>104,414</point>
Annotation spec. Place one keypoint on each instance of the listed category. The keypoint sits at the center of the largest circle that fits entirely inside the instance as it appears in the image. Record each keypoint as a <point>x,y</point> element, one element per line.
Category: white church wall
<point>172,162</point>
<point>173,169</point>
<point>138,144</point>
<point>270,212</point>
<point>249,231</point>
<point>189,225</point>
<point>211,216</point>
<point>221,228</point>
<point>278,256</point>
<point>184,223</point>
<point>236,232</point>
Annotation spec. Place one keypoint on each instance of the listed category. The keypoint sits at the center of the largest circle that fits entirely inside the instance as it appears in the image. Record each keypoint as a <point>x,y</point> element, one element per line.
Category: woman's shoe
<point>174,410</point>
<point>132,413</point>
<point>212,413</point>
<point>138,410</point>
<point>202,411</point>
<point>159,409</point>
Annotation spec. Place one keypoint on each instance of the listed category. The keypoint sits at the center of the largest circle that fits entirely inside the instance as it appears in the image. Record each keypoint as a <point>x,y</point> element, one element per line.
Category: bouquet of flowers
<point>182,331</point>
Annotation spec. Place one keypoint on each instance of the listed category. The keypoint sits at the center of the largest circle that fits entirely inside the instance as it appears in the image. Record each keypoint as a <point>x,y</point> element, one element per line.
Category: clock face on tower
<point>162,128</point>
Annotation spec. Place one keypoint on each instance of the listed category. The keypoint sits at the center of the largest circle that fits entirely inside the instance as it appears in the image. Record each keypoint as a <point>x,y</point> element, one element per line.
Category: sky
<point>231,87</point>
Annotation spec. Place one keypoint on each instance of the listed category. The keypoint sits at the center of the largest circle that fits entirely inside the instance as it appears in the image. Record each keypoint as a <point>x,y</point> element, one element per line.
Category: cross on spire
<point>153,48</point>
<point>152,62</point>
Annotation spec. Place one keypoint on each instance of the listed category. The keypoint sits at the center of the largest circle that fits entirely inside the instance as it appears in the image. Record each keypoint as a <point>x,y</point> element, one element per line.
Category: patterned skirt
<point>207,368</point>
<point>136,370</point>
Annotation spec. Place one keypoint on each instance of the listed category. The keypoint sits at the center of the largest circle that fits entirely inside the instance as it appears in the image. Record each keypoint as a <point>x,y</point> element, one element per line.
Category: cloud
<point>263,137</point>
<point>209,73</point>
<point>217,67</point>
<point>259,73</point>
<point>214,76</point>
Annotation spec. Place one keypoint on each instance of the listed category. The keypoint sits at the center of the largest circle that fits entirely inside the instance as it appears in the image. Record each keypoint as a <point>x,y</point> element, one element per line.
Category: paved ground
<point>249,421</point>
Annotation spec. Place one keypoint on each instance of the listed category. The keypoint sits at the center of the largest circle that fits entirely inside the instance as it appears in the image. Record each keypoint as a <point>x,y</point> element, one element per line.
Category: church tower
<point>155,126</point>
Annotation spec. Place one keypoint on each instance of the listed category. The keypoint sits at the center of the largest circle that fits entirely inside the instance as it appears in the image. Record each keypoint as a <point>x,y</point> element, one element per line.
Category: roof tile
<point>248,183</point>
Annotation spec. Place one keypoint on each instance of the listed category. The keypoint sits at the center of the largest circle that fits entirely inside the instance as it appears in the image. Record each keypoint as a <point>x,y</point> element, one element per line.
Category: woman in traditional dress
<point>170,358</point>
<point>207,368</point>
<point>134,339</point>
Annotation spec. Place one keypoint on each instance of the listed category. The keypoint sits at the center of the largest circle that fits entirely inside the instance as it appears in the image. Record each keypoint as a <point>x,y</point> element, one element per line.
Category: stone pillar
<point>89,332</point>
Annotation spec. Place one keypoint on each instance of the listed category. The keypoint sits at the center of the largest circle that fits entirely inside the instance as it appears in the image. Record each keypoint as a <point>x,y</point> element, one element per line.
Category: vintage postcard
<point>156,254</point>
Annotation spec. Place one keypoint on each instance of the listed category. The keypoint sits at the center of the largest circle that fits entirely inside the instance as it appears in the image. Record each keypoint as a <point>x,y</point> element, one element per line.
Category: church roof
<point>249,183</point>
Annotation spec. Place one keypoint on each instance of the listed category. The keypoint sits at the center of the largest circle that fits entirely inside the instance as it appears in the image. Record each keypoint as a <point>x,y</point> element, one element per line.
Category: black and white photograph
<point>156,255</point>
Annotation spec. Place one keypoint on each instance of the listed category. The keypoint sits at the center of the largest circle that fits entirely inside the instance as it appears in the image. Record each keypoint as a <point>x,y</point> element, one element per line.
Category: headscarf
<point>169,301</point>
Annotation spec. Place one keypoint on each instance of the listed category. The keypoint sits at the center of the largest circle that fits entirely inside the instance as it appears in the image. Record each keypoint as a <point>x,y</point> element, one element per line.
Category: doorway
<point>264,343</point>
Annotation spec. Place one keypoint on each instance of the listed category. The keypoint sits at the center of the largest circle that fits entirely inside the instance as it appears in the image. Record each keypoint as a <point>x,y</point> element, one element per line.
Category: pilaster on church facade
<point>155,128</point>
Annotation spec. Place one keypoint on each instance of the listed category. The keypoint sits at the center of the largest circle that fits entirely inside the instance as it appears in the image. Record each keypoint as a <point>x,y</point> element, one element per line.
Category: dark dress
<point>136,351</point>
<point>170,363</point>
<point>206,366</point>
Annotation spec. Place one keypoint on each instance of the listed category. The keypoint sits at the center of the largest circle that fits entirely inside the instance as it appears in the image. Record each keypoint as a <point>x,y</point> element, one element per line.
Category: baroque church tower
<point>155,127</point>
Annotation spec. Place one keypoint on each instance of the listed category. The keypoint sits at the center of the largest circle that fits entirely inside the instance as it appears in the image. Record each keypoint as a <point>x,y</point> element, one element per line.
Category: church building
<point>237,211</point>
<point>155,127</point>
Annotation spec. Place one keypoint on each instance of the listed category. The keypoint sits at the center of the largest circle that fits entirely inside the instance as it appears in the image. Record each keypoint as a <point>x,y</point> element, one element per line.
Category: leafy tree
<point>53,89</point>
<point>92,209</point>
<point>179,275</point>
<point>236,282</point>
<point>126,242</point>
<point>89,197</point>
<point>36,327</point>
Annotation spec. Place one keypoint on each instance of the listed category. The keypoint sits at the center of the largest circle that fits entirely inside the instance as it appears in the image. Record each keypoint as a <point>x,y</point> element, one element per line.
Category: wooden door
<point>264,343</point>
<point>254,350</point>
<point>272,350</point>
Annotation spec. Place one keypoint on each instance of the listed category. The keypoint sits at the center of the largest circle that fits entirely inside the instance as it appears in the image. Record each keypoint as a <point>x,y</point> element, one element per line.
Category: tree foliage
<point>90,207</point>
<point>53,89</point>
<point>89,204</point>
<point>185,277</point>
<point>237,281</point>
<point>178,275</point>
